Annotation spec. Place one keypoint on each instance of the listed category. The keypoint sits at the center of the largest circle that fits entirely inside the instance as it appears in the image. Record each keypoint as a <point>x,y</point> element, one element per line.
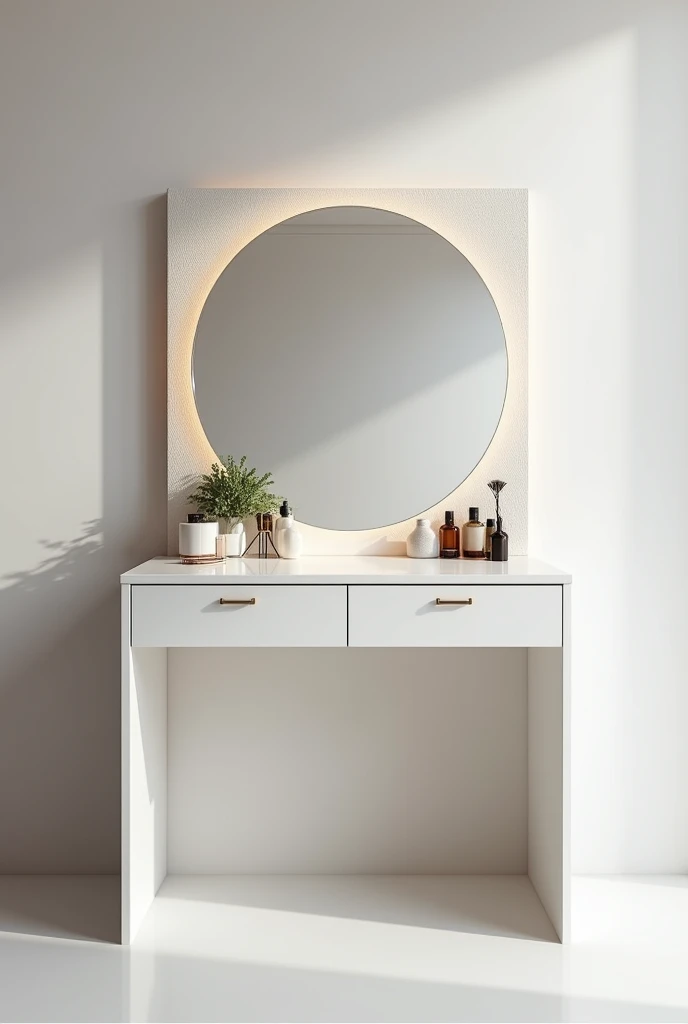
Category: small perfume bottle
<point>473,535</point>
<point>284,522</point>
<point>449,537</point>
<point>288,539</point>
<point>489,530</point>
<point>500,543</point>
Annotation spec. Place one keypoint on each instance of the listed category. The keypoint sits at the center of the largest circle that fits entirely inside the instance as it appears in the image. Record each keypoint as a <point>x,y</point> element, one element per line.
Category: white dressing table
<point>338,602</point>
<point>346,734</point>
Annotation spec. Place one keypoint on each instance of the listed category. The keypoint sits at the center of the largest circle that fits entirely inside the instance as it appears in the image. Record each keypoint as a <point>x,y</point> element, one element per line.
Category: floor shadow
<point>504,905</point>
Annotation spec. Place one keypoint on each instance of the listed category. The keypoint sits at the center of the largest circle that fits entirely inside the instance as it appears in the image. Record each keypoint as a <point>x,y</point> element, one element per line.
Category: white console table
<point>354,602</point>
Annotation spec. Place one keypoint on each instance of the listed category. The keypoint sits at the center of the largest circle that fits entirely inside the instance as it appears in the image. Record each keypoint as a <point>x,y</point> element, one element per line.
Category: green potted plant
<point>230,493</point>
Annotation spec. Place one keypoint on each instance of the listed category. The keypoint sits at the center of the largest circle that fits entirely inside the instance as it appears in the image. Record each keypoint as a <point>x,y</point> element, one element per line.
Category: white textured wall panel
<point>207,227</point>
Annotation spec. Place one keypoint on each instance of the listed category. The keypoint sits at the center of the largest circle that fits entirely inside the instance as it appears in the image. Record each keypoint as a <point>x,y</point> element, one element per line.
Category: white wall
<point>102,107</point>
<point>337,761</point>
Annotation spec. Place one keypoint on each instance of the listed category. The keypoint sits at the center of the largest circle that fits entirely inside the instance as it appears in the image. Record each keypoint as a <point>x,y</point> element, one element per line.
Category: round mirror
<point>357,356</point>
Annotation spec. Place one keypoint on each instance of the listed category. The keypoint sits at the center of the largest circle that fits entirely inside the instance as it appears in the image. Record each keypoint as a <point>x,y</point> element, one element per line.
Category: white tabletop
<point>347,569</point>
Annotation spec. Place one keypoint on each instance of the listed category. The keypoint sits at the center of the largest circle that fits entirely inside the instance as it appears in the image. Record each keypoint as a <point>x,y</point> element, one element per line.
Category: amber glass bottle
<point>449,537</point>
<point>473,535</point>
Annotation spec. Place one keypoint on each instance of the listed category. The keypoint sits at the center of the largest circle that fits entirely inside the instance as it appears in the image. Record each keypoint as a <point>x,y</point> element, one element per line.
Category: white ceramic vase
<point>232,544</point>
<point>422,541</point>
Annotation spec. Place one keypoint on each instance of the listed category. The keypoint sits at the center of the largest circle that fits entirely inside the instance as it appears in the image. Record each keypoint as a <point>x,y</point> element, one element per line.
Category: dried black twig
<point>497,486</point>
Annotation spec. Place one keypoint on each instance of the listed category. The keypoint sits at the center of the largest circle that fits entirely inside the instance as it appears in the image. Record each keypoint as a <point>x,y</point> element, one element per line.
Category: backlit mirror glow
<point>359,357</point>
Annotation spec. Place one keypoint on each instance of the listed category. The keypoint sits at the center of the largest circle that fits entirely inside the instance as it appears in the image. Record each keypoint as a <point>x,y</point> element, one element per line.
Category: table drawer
<point>494,616</point>
<point>260,616</point>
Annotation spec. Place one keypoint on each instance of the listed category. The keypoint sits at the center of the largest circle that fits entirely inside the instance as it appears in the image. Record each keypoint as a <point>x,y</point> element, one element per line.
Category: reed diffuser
<point>499,543</point>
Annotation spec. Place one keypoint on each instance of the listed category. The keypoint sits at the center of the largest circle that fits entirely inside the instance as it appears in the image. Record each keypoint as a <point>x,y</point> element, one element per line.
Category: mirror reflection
<point>358,356</point>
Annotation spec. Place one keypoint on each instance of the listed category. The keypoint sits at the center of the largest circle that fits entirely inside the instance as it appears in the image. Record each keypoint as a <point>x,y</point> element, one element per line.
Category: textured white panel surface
<point>207,227</point>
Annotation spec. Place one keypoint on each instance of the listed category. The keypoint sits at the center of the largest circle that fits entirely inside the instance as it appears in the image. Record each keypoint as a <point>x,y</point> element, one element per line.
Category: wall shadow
<point>59,700</point>
<point>59,620</point>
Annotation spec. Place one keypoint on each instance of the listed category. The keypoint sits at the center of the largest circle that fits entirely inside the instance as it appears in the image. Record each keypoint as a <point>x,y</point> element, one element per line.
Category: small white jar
<point>422,541</point>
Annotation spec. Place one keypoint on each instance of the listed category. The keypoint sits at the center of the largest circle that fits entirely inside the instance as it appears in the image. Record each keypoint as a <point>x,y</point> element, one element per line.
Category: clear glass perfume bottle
<point>449,537</point>
<point>473,535</point>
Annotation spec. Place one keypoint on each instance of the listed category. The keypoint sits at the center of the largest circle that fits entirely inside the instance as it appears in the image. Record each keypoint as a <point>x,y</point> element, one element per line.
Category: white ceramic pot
<point>235,545</point>
<point>197,539</point>
<point>422,541</point>
<point>239,543</point>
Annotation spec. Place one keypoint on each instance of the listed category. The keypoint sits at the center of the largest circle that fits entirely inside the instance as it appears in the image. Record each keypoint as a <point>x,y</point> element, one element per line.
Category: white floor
<point>310,950</point>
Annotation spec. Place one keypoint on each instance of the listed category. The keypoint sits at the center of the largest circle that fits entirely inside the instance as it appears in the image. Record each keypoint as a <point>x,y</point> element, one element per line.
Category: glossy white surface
<point>296,957</point>
<point>347,569</point>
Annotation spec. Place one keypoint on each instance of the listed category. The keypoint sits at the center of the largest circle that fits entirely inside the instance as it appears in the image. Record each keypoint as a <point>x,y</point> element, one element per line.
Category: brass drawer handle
<point>237,600</point>
<point>442,600</point>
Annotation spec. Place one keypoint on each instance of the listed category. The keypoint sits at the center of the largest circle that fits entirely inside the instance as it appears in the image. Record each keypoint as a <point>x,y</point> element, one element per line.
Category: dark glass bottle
<point>490,528</point>
<point>500,543</point>
<point>449,537</point>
